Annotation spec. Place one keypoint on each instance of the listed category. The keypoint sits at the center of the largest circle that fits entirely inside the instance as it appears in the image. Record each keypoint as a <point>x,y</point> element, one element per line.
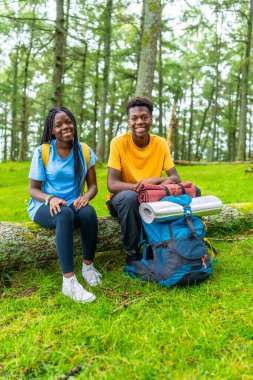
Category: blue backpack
<point>179,247</point>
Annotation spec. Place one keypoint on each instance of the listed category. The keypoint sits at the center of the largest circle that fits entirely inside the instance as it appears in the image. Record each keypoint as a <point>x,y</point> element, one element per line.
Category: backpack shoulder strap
<point>45,154</point>
<point>86,153</point>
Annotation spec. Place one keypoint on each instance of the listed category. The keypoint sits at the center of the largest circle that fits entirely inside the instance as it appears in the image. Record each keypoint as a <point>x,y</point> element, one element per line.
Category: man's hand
<point>81,202</point>
<point>54,204</point>
<point>152,181</point>
<point>167,181</point>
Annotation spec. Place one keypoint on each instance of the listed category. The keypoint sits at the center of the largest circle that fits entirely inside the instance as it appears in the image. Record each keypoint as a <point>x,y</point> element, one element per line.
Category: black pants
<point>64,222</point>
<point>125,207</point>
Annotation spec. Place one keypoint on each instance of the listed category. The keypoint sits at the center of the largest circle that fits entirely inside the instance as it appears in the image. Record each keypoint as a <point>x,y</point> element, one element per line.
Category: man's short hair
<point>139,101</point>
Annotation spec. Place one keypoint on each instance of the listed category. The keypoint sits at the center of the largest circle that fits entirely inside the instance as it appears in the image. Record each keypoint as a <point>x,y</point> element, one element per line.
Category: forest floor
<point>133,330</point>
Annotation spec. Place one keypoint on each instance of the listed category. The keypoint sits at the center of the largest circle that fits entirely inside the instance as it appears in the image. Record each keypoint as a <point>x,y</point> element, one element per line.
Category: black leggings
<point>64,223</point>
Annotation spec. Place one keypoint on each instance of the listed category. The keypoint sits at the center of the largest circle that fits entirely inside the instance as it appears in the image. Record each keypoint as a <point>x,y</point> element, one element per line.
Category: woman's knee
<point>87,213</point>
<point>66,215</point>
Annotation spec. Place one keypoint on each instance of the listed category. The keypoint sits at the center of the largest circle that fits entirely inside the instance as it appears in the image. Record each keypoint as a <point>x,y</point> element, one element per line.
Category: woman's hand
<point>81,202</point>
<point>54,204</point>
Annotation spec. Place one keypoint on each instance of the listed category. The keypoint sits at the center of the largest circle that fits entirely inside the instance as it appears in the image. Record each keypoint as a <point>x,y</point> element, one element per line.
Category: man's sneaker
<point>71,288</point>
<point>133,256</point>
<point>91,275</point>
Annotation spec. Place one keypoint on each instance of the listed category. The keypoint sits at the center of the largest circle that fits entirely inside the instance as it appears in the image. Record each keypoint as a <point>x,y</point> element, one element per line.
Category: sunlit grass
<point>200,332</point>
<point>228,182</point>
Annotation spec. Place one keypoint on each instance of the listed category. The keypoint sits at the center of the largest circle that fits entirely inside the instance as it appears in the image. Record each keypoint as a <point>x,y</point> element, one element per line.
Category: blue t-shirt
<point>57,177</point>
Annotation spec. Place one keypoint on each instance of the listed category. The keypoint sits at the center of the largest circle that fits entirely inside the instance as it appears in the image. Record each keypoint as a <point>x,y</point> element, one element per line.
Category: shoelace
<point>78,288</point>
<point>93,271</point>
<point>94,274</point>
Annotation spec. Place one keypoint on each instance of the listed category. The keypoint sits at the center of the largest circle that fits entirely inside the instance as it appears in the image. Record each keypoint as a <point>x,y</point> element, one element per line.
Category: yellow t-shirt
<point>137,163</point>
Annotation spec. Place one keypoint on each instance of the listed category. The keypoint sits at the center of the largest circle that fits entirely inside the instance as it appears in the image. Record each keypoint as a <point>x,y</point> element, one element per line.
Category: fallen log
<point>24,244</point>
<point>205,163</point>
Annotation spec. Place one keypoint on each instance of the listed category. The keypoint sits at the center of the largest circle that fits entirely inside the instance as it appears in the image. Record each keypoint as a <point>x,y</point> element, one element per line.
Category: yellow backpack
<point>46,150</point>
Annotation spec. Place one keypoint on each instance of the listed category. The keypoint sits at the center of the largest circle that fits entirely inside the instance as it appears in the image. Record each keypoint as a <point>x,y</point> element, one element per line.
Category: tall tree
<point>96,95</point>
<point>216,90</point>
<point>151,28</point>
<point>82,85</point>
<point>189,148</point>
<point>24,116</point>
<point>241,152</point>
<point>59,54</point>
<point>14,121</point>
<point>107,52</point>
<point>160,85</point>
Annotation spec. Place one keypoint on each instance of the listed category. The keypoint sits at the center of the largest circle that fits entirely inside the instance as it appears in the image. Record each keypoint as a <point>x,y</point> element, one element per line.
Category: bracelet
<point>48,199</point>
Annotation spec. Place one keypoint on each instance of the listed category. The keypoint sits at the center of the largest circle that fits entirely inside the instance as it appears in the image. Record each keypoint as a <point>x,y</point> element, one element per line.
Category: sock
<point>68,279</point>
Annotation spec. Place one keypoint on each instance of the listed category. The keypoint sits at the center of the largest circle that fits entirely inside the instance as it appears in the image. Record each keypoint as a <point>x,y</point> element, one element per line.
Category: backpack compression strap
<point>46,150</point>
<point>86,153</point>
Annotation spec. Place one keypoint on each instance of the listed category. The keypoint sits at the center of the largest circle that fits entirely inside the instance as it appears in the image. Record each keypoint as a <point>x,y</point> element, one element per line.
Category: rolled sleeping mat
<point>156,212</point>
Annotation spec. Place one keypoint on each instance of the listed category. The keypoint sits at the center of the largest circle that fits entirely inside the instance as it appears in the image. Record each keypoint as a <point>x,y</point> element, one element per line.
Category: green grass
<point>228,182</point>
<point>201,332</point>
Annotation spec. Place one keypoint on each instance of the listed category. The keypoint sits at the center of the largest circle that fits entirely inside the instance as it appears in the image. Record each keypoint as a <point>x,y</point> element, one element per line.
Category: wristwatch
<point>48,199</point>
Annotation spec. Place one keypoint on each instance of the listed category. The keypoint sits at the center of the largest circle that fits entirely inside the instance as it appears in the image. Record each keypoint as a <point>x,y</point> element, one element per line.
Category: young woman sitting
<point>57,200</point>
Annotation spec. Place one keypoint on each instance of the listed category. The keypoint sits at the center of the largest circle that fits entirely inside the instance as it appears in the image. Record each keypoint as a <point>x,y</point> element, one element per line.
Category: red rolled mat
<point>153,193</point>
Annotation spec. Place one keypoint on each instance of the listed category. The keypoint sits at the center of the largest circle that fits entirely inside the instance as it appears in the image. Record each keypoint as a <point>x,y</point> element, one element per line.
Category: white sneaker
<point>91,275</point>
<point>71,288</point>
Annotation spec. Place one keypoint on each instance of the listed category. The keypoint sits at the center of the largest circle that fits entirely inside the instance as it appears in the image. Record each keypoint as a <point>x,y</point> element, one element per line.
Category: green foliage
<point>200,332</point>
<point>205,41</point>
<point>227,182</point>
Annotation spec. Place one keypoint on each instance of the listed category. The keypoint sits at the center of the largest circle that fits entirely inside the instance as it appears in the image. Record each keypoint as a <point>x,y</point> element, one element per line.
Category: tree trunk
<point>160,86</point>
<point>250,156</point>
<point>140,35</point>
<point>82,92</point>
<point>24,244</point>
<point>172,129</point>
<point>111,117</point>
<point>65,33</point>
<point>96,93</point>
<point>59,54</point>
<point>107,52</point>
<point>199,135</point>
<point>14,122</point>
<point>235,121</point>
<point>23,147</point>
<point>216,90</point>
<point>152,20</point>
<point>206,139</point>
<point>245,84</point>
<point>5,133</point>
<point>189,150</point>
<point>183,136</point>
<point>233,106</point>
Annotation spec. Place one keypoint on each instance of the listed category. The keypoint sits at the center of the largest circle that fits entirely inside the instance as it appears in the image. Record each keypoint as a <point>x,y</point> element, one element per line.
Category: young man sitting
<point>136,158</point>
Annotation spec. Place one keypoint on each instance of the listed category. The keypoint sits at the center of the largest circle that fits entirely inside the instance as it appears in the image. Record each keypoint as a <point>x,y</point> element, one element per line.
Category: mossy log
<point>23,244</point>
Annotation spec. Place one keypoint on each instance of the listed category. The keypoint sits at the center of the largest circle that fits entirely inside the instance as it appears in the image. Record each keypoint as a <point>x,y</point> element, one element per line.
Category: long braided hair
<point>48,136</point>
